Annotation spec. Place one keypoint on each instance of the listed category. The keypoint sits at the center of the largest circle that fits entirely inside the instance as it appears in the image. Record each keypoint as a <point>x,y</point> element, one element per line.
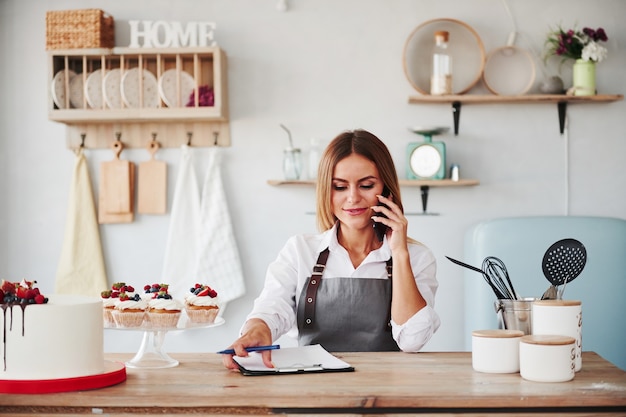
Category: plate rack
<point>200,122</point>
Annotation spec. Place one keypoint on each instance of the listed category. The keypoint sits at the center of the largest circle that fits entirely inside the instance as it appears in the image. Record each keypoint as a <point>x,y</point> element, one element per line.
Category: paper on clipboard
<point>302,359</point>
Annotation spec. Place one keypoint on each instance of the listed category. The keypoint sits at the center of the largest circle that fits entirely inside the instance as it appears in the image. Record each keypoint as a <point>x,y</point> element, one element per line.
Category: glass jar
<point>292,163</point>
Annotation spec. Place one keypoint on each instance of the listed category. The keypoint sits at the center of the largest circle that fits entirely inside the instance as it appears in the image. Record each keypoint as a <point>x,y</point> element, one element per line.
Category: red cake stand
<point>114,373</point>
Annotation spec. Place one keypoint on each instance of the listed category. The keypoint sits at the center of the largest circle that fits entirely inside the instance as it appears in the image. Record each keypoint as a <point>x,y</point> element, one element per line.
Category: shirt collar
<point>329,240</point>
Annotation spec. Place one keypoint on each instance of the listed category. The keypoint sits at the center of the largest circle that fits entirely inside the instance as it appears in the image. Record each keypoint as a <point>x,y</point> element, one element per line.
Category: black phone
<point>379,228</point>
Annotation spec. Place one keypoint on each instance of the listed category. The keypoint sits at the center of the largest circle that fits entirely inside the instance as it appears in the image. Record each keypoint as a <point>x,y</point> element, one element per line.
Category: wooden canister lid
<point>558,303</point>
<point>498,333</point>
<point>547,339</point>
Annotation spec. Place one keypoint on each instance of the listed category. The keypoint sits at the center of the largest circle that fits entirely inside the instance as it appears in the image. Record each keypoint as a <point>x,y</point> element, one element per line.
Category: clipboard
<point>293,360</point>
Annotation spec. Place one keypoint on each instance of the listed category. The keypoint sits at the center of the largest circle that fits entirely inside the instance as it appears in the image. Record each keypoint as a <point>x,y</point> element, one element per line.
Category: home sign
<point>161,34</point>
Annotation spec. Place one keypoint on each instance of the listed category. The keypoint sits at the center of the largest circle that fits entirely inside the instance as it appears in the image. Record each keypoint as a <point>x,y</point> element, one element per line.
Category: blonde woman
<point>349,288</point>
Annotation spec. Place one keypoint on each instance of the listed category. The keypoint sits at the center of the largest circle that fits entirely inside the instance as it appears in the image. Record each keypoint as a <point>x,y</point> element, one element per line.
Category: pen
<point>250,349</point>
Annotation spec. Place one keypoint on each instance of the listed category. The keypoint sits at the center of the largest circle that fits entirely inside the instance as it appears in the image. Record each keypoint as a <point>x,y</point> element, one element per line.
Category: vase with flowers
<point>583,46</point>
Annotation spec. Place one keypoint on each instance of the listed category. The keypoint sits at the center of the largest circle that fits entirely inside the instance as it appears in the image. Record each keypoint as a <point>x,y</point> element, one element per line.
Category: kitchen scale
<point>426,160</point>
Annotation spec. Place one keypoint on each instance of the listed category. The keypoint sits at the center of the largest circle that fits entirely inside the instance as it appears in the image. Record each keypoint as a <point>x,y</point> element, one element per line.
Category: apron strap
<point>311,290</point>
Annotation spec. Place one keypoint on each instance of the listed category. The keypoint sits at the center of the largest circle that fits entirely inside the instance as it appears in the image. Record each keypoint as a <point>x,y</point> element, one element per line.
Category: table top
<point>389,382</point>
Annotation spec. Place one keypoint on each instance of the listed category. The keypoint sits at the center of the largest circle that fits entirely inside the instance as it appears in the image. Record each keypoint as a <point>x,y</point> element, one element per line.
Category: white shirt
<point>286,276</point>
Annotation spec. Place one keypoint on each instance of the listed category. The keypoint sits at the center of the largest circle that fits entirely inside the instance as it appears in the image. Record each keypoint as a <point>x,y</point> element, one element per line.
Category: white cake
<point>62,339</point>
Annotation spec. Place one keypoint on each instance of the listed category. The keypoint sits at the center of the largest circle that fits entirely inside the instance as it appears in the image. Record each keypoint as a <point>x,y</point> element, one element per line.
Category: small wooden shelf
<point>403,183</point>
<point>560,99</point>
<point>423,184</point>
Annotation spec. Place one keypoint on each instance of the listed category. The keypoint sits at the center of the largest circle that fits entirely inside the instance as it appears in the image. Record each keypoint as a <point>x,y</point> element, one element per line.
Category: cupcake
<point>129,310</point>
<point>110,298</point>
<point>163,311</point>
<point>202,305</point>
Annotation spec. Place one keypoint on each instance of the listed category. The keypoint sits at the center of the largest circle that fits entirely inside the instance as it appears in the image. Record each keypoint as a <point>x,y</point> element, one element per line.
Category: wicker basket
<point>87,28</point>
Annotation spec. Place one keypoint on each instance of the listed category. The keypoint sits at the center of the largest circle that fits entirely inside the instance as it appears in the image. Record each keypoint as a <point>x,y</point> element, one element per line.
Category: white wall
<point>320,68</point>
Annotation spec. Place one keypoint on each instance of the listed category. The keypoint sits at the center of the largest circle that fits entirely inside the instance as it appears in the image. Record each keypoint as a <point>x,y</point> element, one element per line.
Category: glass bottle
<point>441,76</point>
<point>292,163</point>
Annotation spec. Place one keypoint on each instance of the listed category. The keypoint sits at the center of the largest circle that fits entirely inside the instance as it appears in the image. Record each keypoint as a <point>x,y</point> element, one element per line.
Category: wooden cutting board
<point>152,184</point>
<point>117,180</point>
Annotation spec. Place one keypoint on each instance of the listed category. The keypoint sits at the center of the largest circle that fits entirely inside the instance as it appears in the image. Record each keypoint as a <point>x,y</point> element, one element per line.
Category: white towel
<point>219,264</point>
<point>81,267</point>
<point>181,250</point>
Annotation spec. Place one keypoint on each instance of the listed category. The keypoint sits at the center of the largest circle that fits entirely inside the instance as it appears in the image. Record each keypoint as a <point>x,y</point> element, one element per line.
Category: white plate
<point>58,87</point>
<point>168,87</point>
<point>93,89</point>
<point>111,88</point>
<point>131,86</point>
<point>77,92</point>
<point>465,47</point>
<point>509,71</point>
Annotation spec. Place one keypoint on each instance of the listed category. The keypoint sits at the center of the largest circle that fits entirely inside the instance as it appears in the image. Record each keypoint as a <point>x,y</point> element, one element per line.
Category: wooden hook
<point>117,146</point>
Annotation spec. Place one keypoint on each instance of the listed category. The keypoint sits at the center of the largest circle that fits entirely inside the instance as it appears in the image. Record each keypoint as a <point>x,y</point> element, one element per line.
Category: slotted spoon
<point>562,263</point>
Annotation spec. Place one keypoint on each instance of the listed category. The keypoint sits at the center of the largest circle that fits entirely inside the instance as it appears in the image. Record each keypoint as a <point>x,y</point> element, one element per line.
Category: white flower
<point>594,52</point>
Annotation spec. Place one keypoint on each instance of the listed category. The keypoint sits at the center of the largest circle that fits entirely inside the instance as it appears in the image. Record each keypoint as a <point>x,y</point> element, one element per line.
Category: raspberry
<point>40,299</point>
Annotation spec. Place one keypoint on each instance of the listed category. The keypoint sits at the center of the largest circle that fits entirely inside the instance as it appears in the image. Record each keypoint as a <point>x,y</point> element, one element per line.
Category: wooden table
<point>383,383</point>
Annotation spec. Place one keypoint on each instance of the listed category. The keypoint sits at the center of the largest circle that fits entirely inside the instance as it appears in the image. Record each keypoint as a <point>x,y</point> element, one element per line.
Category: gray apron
<point>346,314</point>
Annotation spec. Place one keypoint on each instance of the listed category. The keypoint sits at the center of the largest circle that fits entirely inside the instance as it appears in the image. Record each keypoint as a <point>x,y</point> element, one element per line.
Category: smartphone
<point>379,228</point>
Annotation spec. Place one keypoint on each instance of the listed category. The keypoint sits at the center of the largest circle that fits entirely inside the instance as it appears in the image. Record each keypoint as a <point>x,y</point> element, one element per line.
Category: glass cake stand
<point>151,354</point>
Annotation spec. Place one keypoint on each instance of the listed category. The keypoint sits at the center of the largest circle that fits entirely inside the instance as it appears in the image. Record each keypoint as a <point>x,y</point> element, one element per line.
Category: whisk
<point>496,275</point>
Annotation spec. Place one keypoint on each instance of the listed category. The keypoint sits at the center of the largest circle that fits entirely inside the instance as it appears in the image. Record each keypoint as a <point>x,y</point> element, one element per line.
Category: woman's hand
<point>255,333</point>
<point>396,221</point>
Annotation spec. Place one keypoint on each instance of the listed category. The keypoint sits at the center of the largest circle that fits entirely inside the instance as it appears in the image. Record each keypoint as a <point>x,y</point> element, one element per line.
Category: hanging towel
<point>81,268</point>
<point>181,250</point>
<point>218,264</point>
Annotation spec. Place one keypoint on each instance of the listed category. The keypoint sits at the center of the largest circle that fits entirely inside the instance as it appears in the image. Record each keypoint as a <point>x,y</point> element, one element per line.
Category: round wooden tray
<point>509,71</point>
<point>465,47</point>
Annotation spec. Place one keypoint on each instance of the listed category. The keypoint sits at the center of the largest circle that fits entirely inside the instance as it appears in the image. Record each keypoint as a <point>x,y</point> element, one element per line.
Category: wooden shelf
<point>205,125</point>
<point>560,99</point>
<point>404,183</point>
<point>423,184</point>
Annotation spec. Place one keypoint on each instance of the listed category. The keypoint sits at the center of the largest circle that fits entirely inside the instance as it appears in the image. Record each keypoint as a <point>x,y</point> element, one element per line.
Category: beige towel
<point>81,267</point>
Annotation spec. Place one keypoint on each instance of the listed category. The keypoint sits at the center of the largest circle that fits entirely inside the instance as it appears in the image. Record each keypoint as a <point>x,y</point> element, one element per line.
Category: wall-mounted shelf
<point>560,99</point>
<point>100,122</point>
<point>423,184</point>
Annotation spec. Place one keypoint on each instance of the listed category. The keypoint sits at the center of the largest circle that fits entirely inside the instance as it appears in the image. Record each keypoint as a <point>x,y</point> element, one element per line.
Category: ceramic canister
<point>547,358</point>
<point>564,317</point>
<point>496,351</point>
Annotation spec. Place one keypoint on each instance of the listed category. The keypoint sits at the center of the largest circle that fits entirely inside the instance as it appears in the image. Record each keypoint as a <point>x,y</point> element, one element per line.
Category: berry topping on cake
<point>158,290</point>
<point>203,291</point>
<point>23,292</point>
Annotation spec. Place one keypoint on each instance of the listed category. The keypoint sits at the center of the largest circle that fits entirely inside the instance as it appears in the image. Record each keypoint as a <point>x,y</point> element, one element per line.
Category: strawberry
<point>21,292</point>
<point>106,294</point>
<point>8,287</point>
<point>124,296</point>
<point>204,292</point>
<point>40,299</point>
<point>212,293</point>
<point>1,295</point>
<point>115,294</point>
<point>130,288</point>
<point>30,294</point>
<point>147,287</point>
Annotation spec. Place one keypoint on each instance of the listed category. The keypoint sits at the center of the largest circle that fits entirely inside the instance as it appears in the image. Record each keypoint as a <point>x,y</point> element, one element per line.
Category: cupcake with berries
<point>109,298</point>
<point>202,304</point>
<point>163,310</point>
<point>130,309</point>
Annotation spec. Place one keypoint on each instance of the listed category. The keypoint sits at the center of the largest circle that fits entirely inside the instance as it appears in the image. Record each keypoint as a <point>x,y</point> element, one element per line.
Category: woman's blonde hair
<point>360,142</point>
